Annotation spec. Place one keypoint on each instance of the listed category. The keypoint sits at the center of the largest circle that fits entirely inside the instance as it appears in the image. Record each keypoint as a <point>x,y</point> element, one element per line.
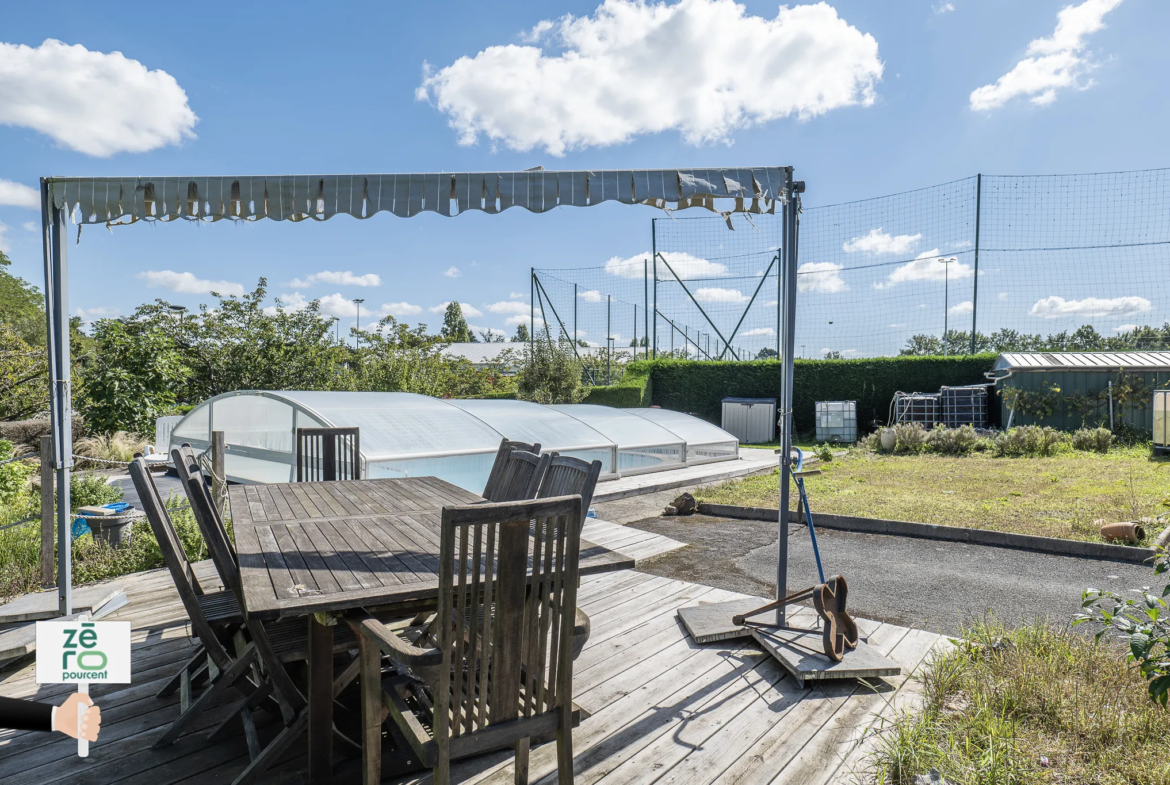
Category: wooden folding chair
<point>276,644</point>
<point>223,656</point>
<point>502,672</point>
<point>518,478</point>
<point>326,454</point>
<point>187,467</point>
<point>506,448</point>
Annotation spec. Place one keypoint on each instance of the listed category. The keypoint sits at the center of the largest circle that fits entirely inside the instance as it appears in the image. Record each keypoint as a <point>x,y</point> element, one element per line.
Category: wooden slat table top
<point>333,546</point>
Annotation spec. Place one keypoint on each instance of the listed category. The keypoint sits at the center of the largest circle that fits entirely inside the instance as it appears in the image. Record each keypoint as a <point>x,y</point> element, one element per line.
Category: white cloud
<point>4,245</point>
<point>962,308</point>
<point>18,194</point>
<point>92,102</point>
<point>897,325</point>
<point>714,294</point>
<point>1003,296</point>
<point>337,278</point>
<point>702,67</point>
<point>590,296</point>
<point>452,272</point>
<point>1125,328</point>
<point>944,8</point>
<point>90,315</point>
<point>1057,307</point>
<point>1055,63</point>
<point>759,331</point>
<point>490,330</point>
<point>398,310</point>
<point>512,321</point>
<point>187,283</point>
<point>929,266</point>
<point>30,226</point>
<point>820,277</point>
<point>879,242</point>
<point>843,352</point>
<point>515,296</point>
<point>469,311</point>
<point>683,263</point>
<point>508,306</point>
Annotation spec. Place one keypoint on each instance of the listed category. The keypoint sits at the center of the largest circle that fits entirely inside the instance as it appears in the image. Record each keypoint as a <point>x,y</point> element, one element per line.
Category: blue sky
<point>300,88</point>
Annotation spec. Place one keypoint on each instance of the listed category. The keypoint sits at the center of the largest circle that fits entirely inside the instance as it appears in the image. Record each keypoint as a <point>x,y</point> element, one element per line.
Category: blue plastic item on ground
<point>80,528</point>
<point>591,514</point>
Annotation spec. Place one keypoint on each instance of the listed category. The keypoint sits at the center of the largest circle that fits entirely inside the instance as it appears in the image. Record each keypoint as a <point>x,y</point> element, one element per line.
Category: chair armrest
<point>400,651</point>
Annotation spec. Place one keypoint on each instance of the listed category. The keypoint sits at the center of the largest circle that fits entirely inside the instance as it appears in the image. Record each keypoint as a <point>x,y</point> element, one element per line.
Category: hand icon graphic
<point>65,717</point>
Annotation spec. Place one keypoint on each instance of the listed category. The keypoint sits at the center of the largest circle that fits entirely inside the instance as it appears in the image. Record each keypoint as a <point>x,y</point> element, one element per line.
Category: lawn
<point>1058,496</point>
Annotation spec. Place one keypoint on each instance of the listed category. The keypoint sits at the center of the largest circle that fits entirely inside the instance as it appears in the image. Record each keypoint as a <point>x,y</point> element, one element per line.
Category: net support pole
<point>654,263</point>
<point>54,231</point>
<point>645,308</point>
<point>975,285</point>
<point>575,333</point>
<point>787,305</point>
<point>531,309</point>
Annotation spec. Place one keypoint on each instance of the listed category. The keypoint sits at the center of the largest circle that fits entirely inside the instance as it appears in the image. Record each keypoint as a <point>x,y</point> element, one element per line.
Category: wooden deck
<point>662,709</point>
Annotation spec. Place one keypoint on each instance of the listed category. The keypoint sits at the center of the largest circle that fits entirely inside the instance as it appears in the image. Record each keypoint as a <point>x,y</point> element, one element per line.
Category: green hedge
<point>699,387</point>
<point>632,391</point>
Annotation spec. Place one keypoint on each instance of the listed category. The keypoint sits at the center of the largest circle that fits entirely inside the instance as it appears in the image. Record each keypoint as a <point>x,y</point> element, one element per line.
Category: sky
<point>862,98</point>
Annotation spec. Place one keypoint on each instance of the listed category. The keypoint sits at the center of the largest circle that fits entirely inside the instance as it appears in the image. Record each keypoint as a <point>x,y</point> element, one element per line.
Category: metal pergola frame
<point>122,200</point>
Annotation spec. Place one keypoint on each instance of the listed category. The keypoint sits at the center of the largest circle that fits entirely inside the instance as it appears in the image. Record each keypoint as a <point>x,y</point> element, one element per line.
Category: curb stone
<point>930,531</point>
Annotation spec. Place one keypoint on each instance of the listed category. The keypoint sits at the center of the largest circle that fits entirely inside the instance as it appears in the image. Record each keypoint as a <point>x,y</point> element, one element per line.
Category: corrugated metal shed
<point>1084,361</point>
<point>1081,374</point>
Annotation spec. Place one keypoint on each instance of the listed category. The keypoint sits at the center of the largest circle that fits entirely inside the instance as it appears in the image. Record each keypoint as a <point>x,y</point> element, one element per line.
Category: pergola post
<point>57,334</point>
<point>787,306</point>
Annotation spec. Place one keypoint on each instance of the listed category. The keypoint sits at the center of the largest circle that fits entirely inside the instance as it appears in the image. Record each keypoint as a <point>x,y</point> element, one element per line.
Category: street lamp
<point>946,263</point>
<point>357,301</point>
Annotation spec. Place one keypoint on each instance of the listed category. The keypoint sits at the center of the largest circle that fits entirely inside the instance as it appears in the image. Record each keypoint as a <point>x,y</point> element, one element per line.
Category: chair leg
<point>176,680</point>
<point>370,657</point>
<point>226,679</point>
<point>260,764</point>
<point>522,762</point>
<point>441,774</point>
<point>565,752</point>
<point>243,708</point>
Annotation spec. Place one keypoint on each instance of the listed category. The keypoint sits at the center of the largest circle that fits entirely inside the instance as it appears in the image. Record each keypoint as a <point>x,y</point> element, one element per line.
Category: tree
<point>487,336</point>
<point>550,373</point>
<point>24,388</point>
<point>833,354</point>
<point>21,305</point>
<point>131,377</point>
<point>455,329</point>
<point>922,346</point>
<point>521,335</point>
<point>767,354</point>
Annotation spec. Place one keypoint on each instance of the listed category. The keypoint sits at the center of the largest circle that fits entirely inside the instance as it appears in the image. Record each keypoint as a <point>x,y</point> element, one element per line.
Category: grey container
<point>114,530</point>
<point>1161,421</point>
<point>836,421</point>
<point>751,420</point>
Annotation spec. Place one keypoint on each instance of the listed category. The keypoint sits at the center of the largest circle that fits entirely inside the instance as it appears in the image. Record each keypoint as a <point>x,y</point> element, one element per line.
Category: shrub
<point>953,441</point>
<point>1126,435</point>
<point>13,476</point>
<point>116,446</point>
<point>89,489</point>
<point>910,438</point>
<point>871,441</point>
<point>824,453</point>
<point>1092,440</point>
<point>550,374</point>
<point>1029,440</point>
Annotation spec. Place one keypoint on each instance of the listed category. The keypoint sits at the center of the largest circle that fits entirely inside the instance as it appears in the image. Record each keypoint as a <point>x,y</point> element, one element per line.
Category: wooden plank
<point>42,605</point>
<point>263,571</point>
<point>802,655</point>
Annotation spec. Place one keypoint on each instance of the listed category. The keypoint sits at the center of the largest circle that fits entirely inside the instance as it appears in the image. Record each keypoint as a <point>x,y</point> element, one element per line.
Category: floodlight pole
<point>53,232</point>
<point>787,301</point>
<point>654,262</point>
<point>575,333</point>
<point>975,291</point>
<point>645,309</point>
<point>531,309</point>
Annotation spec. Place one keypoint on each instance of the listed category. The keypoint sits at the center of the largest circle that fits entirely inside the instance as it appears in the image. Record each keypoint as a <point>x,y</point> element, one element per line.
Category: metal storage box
<point>836,421</point>
<point>1161,421</point>
<point>917,407</point>
<point>751,420</point>
<point>964,406</point>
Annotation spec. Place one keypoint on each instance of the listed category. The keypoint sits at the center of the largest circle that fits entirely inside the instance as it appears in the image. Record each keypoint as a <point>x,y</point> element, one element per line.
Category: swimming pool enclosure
<point>409,435</point>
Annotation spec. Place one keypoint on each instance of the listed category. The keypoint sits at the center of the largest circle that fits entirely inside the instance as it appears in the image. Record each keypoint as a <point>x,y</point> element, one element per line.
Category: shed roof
<point>1083,361</point>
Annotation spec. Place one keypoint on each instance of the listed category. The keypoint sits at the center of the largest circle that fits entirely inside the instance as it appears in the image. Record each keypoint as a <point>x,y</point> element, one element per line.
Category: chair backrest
<point>506,448</point>
<point>189,471</point>
<point>325,454</point>
<point>176,559</point>
<point>225,563</point>
<point>507,597</point>
<point>567,476</point>
<point>520,477</point>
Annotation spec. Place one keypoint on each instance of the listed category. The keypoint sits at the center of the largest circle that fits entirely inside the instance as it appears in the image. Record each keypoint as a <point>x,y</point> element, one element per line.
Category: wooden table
<point>314,549</point>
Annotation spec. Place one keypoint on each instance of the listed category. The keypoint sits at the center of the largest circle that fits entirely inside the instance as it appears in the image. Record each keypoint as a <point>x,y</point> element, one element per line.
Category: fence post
<point>47,511</point>
<point>975,291</point>
<point>654,262</point>
<point>218,472</point>
<point>531,310</point>
<point>574,339</point>
<point>645,309</point>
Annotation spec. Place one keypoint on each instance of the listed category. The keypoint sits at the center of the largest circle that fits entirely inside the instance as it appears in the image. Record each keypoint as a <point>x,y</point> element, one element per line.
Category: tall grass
<point>1035,704</point>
